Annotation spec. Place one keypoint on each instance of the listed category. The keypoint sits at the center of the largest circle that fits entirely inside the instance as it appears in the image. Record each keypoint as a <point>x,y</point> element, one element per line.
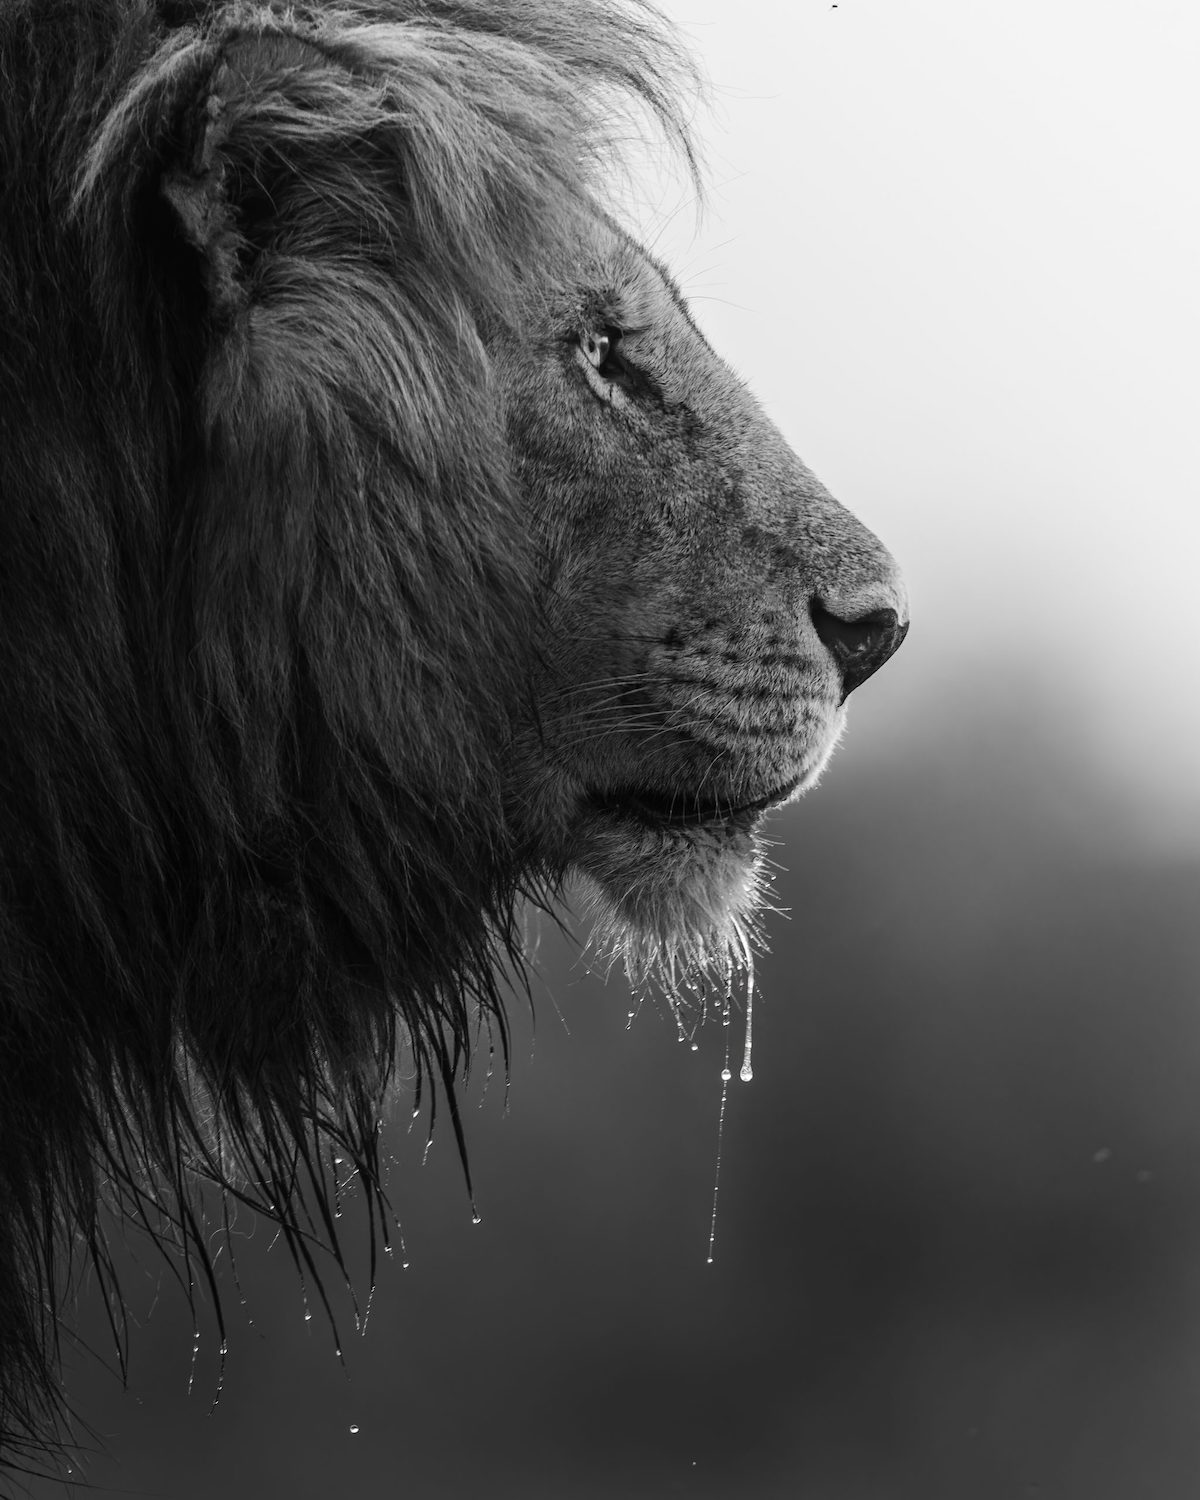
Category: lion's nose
<point>858,647</point>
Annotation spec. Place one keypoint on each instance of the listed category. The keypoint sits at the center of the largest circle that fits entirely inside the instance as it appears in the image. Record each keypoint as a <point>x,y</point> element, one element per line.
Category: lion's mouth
<point>678,809</point>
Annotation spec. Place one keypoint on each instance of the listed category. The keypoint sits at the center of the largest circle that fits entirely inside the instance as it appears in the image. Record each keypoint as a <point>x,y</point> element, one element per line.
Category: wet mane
<point>264,614</point>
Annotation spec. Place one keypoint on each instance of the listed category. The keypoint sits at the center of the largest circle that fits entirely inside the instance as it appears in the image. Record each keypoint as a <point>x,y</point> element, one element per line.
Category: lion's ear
<point>197,192</point>
<point>218,185</point>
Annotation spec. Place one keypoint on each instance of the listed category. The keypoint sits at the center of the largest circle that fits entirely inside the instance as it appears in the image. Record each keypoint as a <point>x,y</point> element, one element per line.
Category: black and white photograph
<point>599,750</point>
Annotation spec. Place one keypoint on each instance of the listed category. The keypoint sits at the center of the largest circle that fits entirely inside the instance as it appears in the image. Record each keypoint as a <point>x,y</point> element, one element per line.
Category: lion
<point>381,545</point>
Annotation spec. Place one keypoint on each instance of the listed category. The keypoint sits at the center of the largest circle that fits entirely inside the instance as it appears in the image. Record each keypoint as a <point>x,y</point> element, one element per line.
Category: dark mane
<point>263,615</point>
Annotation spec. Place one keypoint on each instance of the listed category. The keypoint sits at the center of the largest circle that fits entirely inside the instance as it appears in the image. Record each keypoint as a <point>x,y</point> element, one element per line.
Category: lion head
<point>380,542</point>
<point>707,605</point>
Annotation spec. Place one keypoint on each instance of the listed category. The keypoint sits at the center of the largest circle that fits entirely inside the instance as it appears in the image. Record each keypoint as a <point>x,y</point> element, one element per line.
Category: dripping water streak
<point>222,1352</point>
<point>195,1351</point>
<point>725,1077</point>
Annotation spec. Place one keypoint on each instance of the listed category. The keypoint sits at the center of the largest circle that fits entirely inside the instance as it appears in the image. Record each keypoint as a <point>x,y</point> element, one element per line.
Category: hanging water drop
<point>747,1072</point>
<point>476,1216</point>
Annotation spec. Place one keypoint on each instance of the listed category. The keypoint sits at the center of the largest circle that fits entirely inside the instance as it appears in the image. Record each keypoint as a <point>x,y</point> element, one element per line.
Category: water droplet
<point>307,1315</point>
<point>476,1216</point>
<point>695,1046</point>
<point>389,1250</point>
<point>726,1075</point>
<point>353,1426</point>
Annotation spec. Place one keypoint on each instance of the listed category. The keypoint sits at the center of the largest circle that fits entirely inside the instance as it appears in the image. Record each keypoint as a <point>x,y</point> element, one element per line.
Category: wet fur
<point>264,613</point>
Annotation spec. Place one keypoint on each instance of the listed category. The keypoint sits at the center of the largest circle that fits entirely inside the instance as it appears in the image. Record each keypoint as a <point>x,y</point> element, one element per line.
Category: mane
<point>264,616</point>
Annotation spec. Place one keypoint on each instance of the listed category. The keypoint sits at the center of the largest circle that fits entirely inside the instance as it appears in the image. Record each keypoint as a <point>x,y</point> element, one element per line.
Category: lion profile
<point>380,542</point>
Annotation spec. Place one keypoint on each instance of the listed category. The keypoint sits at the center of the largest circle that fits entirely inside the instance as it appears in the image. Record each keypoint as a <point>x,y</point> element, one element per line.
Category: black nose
<point>859,647</point>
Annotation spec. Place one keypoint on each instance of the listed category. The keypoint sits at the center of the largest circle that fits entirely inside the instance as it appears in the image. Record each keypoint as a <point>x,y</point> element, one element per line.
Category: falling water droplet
<point>353,1426</point>
<point>307,1315</point>
<point>476,1216</point>
<point>695,1046</point>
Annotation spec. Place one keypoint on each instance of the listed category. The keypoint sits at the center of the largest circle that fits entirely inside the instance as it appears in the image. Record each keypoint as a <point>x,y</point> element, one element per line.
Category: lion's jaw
<point>680,876</point>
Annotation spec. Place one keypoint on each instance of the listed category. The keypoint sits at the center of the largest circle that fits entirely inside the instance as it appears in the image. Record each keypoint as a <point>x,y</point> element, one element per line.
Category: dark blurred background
<point>958,1246</point>
<point>958,1243</point>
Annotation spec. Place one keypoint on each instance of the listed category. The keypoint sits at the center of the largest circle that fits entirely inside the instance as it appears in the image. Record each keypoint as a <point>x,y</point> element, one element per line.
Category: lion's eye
<point>611,371</point>
<point>596,346</point>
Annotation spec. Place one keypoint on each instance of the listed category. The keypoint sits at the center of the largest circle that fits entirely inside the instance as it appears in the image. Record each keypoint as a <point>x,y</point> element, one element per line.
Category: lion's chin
<point>674,892</point>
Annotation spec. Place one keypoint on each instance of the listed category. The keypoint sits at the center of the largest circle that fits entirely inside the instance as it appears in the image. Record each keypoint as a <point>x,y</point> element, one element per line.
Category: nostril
<point>861,646</point>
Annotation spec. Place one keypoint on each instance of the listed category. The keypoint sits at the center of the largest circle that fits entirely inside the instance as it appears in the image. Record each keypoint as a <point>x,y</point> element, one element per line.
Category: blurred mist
<point>958,1241</point>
